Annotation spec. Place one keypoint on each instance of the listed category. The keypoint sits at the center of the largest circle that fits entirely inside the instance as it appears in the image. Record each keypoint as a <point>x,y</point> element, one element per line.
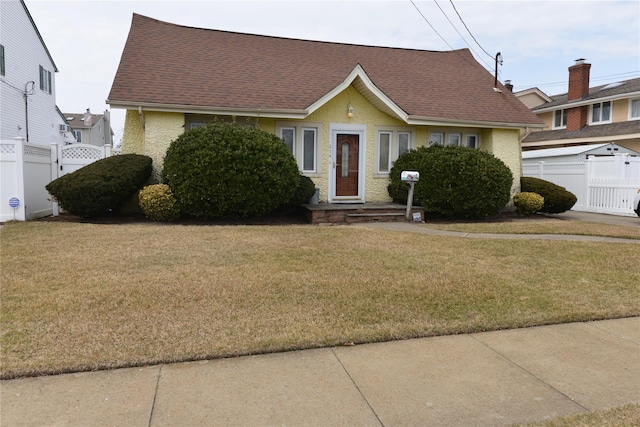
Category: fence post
<point>587,178</point>
<point>20,211</point>
<point>541,172</point>
<point>55,173</point>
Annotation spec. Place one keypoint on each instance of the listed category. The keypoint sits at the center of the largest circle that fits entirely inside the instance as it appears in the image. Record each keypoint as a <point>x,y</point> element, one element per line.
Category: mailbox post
<point>410,177</point>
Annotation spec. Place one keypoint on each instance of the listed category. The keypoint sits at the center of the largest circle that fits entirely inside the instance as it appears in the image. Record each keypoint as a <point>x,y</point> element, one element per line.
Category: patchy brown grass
<point>540,225</point>
<point>623,416</point>
<point>90,296</point>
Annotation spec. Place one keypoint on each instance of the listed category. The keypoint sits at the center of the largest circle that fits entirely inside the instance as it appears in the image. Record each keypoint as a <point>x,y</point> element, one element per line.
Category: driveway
<point>630,221</point>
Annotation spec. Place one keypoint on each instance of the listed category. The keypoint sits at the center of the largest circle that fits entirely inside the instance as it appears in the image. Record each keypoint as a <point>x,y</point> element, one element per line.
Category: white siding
<point>24,53</point>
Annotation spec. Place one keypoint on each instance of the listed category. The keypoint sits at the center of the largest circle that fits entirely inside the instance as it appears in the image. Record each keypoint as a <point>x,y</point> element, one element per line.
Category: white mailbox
<point>410,176</point>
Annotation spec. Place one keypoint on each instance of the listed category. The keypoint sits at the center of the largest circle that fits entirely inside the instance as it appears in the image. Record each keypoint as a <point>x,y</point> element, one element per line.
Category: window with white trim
<point>391,144</point>
<point>384,151</point>
<point>634,109</point>
<point>560,119</point>
<point>471,141</point>
<point>301,140</point>
<point>78,135</point>
<point>436,138</point>
<point>454,139</point>
<point>45,80</point>
<point>601,112</point>
<point>288,136</point>
<point>309,142</point>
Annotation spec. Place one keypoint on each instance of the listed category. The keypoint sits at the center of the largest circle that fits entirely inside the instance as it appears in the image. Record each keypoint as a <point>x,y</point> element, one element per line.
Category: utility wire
<point>432,27</point>
<point>469,31</point>
<point>594,79</point>
<point>436,31</point>
<point>463,39</point>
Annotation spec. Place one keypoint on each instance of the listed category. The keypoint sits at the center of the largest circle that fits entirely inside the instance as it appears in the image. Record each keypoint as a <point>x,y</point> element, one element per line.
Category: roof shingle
<point>169,64</point>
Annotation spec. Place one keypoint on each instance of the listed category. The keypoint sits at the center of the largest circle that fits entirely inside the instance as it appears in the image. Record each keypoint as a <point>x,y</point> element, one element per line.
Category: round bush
<point>229,170</point>
<point>557,199</point>
<point>303,193</point>
<point>101,187</point>
<point>158,204</point>
<point>454,181</point>
<point>528,203</point>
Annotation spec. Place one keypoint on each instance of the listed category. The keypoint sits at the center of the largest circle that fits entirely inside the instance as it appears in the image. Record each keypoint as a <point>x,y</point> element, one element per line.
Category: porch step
<point>325,213</point>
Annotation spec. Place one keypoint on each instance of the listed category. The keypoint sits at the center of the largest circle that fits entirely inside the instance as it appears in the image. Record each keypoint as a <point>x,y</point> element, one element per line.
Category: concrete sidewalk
<point>483,379</point>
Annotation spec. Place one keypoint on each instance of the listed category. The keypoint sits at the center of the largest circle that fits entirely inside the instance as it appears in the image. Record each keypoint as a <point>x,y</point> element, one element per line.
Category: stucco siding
<point>504,144</point>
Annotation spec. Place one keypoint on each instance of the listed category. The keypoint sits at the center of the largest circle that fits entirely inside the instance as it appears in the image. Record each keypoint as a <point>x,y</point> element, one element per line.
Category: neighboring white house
<point>27,80</point>
<point>90,128</point>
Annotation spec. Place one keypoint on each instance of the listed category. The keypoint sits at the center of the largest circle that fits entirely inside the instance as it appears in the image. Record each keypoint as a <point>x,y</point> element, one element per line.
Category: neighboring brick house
<point>90,128</point>
<point>607,113</point>
<point>345,111</point>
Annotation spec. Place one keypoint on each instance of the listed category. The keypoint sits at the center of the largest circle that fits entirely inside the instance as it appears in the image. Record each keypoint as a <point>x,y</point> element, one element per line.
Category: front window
<point>560,119</point>
<point>288,136</point>
<point>634,109</point>
<point>301,139</point>
<point>601,112</point>
<point>454,139</point>
<point>309,150</point>
<point>472,141</point>
<point>404,142</point>
<point>78,135</point>
<point>436,139</point>
<point>391,144</point>
<point>384,151</point>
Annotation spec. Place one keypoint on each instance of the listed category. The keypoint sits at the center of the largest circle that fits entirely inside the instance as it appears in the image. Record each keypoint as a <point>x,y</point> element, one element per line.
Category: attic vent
<point>612,85</point>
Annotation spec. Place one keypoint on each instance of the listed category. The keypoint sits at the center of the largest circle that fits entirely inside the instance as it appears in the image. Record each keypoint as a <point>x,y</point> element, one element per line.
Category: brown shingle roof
<point>173,65</point>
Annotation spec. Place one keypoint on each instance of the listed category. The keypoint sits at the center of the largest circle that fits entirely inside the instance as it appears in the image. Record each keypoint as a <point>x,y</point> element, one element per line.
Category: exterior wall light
<point>349,111</point>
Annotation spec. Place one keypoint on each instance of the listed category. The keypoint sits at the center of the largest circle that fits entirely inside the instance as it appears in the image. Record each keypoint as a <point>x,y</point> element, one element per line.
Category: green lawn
<point>79,296</point>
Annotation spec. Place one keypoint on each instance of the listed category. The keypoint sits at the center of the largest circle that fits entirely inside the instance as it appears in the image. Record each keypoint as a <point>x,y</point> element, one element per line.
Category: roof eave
<point>435,121</point>
<point>221,111</point>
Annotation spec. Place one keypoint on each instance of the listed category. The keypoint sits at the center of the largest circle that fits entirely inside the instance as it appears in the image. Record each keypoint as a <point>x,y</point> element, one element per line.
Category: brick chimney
<point>578,88</point>
<point>508,85</point>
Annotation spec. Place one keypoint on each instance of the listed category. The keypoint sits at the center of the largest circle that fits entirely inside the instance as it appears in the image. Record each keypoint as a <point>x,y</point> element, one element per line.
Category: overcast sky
<point>538,40</point>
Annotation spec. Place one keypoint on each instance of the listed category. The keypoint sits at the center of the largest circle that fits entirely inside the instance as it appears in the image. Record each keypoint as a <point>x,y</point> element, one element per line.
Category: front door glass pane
<point>345,160</point>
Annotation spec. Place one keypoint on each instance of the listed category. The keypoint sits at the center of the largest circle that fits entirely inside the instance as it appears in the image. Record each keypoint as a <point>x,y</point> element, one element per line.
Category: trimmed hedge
<point>454,181</point>
<point>557,199</point>
<point>528,203</point>
<point>228,170</point>
<point>101,187</point>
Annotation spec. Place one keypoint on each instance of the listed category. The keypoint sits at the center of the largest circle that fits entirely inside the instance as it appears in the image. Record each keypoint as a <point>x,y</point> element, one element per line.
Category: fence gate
<point>73,157</point>
<point>604,184</point>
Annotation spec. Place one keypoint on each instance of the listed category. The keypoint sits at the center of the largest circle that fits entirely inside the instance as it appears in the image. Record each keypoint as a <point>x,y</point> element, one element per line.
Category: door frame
<point>349,129</point>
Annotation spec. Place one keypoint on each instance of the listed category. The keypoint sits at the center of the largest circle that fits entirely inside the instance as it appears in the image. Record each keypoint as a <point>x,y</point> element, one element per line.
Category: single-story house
<point>345,111</point>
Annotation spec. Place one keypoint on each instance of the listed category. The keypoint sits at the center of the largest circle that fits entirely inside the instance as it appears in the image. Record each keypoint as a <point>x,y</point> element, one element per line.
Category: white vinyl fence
<point>26,168</point>
<point>602,184</point>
